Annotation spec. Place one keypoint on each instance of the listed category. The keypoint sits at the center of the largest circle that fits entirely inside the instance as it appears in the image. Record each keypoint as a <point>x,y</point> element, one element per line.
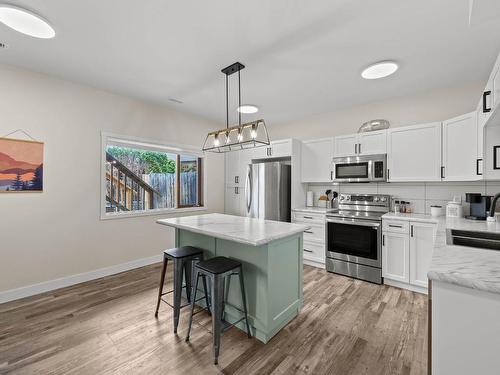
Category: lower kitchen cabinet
<point>407,253</point>
<point>395,256</point>
<point>314,238</point>
<point>422,238</point>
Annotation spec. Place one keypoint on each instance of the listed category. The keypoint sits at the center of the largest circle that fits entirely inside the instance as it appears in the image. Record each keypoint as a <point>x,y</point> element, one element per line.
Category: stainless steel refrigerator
<point>268,191</point>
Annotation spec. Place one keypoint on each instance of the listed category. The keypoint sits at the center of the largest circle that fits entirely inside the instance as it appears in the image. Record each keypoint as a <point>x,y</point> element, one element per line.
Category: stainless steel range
<point>354,236</point>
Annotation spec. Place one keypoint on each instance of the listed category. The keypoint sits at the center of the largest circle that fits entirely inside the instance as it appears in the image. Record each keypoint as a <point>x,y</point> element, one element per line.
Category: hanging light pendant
<point>239,137</point>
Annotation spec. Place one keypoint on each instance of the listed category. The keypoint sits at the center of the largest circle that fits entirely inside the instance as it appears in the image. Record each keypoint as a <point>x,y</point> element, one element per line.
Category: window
<point>141,177</point>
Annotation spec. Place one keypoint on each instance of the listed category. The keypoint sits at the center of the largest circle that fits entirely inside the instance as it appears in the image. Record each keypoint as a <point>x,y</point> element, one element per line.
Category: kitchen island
<point>271,255</point>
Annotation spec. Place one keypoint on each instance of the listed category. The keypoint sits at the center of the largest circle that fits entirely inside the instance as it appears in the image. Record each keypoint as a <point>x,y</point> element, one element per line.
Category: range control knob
<point>383,199</point>
<point>341,197</point>
<point>375,199</point>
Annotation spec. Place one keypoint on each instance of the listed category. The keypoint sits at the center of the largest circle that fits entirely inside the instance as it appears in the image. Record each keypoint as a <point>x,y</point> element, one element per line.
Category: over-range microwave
<point>364,168</point>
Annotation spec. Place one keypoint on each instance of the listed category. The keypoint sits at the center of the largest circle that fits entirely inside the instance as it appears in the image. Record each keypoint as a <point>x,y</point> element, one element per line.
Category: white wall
<point>44,236</point>
<point>428,107</point>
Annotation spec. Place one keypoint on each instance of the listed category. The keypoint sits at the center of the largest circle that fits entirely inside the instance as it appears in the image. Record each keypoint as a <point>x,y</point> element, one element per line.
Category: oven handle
<point>354,222</point>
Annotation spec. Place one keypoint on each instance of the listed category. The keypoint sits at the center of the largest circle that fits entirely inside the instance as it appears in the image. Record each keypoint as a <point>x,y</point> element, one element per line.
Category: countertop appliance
<point>360,168</point>
<point>268,190</point>
<point>479,205</point>
<point>354,236</point>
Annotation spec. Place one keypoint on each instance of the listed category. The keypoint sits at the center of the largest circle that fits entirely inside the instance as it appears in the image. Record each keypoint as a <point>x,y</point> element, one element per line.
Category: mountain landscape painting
<point>21,165</point>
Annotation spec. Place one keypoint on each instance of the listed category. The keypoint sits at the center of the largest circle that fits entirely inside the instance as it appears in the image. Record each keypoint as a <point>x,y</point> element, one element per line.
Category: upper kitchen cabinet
<point>346,145</point>
<point>460,161</point>
<point>414,153</point>
<point>369,143</point>
<point>316,160</point>
<point>277,149</point>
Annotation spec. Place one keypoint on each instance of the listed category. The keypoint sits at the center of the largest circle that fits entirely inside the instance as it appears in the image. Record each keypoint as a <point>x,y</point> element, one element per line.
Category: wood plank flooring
<point>107,326</point>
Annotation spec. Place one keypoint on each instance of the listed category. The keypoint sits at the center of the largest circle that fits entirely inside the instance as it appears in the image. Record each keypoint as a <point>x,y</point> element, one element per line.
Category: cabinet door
<point>346,145</point>
<point>422,236</point>
<point>316,160</point>
<point>414,153</point>
<point>372,143</point>
<point>232,164</point>
<point>232,201</point>
<point>460,148</point>
<point>395,256</point>
<point>281,149</point>
<point>495,86</point>
<point>481,120</point>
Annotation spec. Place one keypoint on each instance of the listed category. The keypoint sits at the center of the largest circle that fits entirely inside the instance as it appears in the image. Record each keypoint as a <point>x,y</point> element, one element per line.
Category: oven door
<point>354,240</point>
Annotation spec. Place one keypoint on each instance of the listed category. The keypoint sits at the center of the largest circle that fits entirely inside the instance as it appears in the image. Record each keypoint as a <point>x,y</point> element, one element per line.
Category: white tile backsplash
<point>420,195</point>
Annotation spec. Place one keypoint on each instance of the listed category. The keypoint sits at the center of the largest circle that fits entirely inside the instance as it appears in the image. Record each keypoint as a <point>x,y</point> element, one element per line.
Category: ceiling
<point>301,57</point>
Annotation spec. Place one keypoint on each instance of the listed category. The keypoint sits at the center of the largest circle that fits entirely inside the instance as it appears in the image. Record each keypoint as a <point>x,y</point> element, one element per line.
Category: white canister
<point>454,209</point>
<point>437,211</point>
<point>310,199</point>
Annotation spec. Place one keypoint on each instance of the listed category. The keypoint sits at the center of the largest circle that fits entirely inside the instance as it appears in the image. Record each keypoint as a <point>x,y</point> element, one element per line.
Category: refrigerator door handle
<point>248,188</point>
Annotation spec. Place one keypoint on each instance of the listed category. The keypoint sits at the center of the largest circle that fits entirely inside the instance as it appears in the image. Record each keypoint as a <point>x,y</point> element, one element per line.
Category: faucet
<point>493,207</point>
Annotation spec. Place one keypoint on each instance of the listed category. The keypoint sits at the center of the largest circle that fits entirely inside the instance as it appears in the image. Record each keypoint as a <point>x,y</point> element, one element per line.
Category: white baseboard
<point>401,285</point>
<point>47,286</point>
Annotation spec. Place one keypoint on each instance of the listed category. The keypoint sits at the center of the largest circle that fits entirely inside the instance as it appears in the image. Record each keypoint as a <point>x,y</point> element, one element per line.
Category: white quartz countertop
<point>465,266</point>
<point>411,217</point>
<point>255,232</point>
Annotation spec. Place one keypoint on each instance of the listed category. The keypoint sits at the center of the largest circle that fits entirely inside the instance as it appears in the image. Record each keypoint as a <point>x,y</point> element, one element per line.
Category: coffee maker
<point>479,205</point>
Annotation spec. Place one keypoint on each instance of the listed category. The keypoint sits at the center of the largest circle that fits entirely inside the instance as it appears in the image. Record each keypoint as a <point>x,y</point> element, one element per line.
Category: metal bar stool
<point>217,269</point>
<point>184,259</point>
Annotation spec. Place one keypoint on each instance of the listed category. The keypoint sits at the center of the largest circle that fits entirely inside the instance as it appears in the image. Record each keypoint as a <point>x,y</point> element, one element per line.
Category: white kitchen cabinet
<point>346,145</point>
<point>495,85</point>
<point>422,236</point>
<point>372,143</point>
<point>277,149</point>
<point>232,200</point>
<point>369,143</point>
<point>460,148</point>
<point>414,153</point>
<point>232,164</point>
<point>316,159</point>
<point>395,256</point>
<point>314,238</point>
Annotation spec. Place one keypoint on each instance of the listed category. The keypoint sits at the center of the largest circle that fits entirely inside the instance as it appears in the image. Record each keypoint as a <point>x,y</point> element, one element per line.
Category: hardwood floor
<point>107,326</point>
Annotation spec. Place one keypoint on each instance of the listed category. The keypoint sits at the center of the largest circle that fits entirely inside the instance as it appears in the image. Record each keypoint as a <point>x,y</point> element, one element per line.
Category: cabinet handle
<point>388,170</point>
<point>308,217</point>
<point>355,148</point>
<point>442,172</point>
<point>359,148</point>
<point>411,231</point>
<point>308,251</point>
<point>308,231</point>
<point>270,151</point>
<point>485,108</point>
<point>236,179</point>
<point>236,190</point>
<point>331,175</point>
<point>477,167</point>
<point>383,240</point>
<point>395,226</point>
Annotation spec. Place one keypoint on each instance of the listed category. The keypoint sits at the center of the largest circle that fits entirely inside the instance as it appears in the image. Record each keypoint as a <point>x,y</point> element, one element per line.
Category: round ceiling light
<point>25,22</point>
<point>248,108</point>
<point>379,70</point>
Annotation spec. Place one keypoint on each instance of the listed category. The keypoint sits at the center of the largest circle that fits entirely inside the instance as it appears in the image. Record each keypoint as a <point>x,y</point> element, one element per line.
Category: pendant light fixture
<point>239,137</point>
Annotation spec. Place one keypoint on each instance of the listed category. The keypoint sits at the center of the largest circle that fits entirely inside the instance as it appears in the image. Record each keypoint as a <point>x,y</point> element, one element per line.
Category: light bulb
<point>228,138</point>
<point>253,133</point>
<point>240,136</point>
<point>216,140</point>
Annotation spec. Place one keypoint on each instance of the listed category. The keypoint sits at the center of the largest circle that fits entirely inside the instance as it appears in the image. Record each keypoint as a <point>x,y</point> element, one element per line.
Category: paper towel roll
<point>310,199</point>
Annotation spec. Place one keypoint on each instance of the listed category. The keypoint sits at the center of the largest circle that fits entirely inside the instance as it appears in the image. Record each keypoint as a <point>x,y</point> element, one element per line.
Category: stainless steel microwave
<point>365,168</point>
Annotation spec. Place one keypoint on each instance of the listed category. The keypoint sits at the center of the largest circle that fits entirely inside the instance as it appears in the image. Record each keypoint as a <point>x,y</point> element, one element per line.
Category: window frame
<point>155,145</point>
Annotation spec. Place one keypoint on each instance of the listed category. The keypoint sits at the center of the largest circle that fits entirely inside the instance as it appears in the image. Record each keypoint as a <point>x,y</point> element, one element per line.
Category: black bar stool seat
<point>218,265</point>
<point>184,259</point>
<point>183,252</point>
<point>219,270</point>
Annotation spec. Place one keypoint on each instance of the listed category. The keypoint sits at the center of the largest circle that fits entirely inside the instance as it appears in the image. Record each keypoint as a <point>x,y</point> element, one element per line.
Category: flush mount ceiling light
<point>26,22</point>
<point>379,70</point>
<point>248,108</point>
<point>242,136</point>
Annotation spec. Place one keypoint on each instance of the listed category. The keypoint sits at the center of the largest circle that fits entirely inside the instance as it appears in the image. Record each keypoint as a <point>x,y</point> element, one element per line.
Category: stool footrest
<point>186,304</point>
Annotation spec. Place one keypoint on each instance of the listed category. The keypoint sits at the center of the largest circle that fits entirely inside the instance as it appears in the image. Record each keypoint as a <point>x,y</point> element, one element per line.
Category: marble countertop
<point>412,217</point>
<point>465,266</point>
<point>255,232</point>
